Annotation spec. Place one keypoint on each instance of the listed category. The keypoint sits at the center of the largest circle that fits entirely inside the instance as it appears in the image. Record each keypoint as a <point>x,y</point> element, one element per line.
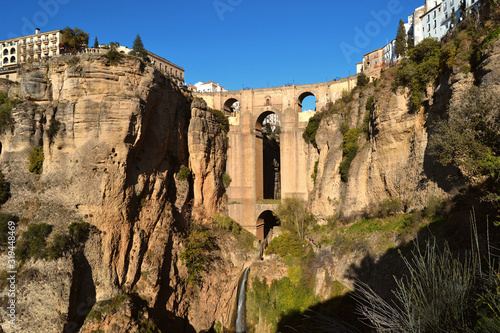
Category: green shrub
<point>227,223</point>
<point>294,216</point>
<point>184,173</point>
<point>4,190</point>
<point>309,134</point>
<point>197,253</point>
<point>287,244</point>
<point>113,55</point>
<point>349,151</point>
<point>33,241</point>
<point>148,326</point>
<point>272,302</point>
<point>59,245</point>
<point>315,172</point>
<point>370,108</point>
<point>226,180</point>
<point>221,119</point>
<point>36,160</point>
<point>79,232</point>
<point>387,207</point>
<point>436,207</point>
<point>4,227</point>
<point>418,69</point>
<point>362,80</point>
<point>53,129</point>
<point>6,105</point>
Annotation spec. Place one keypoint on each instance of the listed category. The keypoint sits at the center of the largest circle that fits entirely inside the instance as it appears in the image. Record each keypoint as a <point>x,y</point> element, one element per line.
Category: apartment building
<point>20,50</point>
<point>165,66</point>
<point>373,63</point>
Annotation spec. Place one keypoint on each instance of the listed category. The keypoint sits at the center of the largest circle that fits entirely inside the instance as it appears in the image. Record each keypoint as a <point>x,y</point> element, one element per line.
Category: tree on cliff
<point>294,216</point>
<point>138,49</point>
<point>96,43</point>
<point>74,39</point>
<point>401,40</point>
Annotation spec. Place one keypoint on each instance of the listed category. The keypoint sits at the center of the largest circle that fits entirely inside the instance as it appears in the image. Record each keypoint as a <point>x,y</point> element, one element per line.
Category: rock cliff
<point>393,160</point>
<point>114,139</point>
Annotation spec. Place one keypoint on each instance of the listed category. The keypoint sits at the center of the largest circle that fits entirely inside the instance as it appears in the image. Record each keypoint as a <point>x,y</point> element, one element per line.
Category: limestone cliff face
<point>207,160</point>
<point>394,161</point>
<point>122,137</point>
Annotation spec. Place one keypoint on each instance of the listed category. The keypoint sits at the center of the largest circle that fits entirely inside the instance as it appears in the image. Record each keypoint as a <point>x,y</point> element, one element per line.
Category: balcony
<point>38,41</point>
<point>46,40</point>
<point>38,49</point>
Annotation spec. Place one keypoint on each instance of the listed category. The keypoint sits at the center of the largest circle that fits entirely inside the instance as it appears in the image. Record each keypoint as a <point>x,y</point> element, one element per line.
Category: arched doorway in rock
<point>265,222</point>
<point>307,101</point>
<point>268,156</point>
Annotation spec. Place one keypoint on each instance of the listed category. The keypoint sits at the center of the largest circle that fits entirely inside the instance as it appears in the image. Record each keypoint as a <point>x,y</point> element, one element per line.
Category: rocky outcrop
<point>207,160</point>
<point>394,161</point>
<point>114,139</point>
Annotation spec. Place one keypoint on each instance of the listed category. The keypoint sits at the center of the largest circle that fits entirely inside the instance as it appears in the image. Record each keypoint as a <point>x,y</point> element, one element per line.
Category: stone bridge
<point>263,170</point>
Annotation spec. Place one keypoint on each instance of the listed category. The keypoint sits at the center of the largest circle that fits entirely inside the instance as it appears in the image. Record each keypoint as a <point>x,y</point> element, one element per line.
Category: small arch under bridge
<point>261,169</point>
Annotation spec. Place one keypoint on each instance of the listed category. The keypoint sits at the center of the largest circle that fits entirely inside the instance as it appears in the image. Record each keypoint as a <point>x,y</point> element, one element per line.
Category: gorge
<point>130,181</point>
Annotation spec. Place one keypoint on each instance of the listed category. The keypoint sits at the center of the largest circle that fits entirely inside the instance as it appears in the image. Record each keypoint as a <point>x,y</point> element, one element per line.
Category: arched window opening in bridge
<point>268,156</point>
<point>307,102</point>
<point>232,106</point>
<point>265,223</point>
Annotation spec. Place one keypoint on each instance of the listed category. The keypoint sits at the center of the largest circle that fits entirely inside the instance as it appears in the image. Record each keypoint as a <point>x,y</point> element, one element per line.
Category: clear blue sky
<point>239,43</point>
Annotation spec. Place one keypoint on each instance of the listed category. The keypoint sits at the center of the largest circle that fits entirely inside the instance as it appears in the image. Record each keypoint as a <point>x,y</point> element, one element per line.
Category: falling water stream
<point>241,310</point>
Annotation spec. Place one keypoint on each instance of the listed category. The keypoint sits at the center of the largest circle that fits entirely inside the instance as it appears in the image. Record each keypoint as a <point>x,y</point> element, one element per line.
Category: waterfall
<point>241,310</point>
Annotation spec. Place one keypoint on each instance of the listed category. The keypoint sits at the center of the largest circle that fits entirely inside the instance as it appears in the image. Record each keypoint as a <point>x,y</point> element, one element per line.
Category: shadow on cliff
<point>164,319</point>
<point>82,293</point>
<point>339,314</point>
<point>446,177</point>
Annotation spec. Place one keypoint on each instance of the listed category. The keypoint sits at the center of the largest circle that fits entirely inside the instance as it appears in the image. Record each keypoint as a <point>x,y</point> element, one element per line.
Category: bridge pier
<point>245,164</point>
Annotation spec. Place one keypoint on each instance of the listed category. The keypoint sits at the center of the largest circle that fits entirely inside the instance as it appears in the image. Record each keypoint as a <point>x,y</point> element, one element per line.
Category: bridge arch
<point>267,156</point>
<point>232,105</point>
<point>265,222</point>
<point>307,101</point>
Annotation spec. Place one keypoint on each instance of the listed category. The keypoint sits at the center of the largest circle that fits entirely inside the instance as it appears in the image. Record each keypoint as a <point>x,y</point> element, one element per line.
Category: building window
<point>12,51</point>
<point>428,27</point>
<point>5,60</point>
<point>434,24</point>
<point>13,59</point>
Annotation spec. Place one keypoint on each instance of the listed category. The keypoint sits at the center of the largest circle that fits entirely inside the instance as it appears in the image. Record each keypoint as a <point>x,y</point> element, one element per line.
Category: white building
<point>433,20</point>
<point>417,28</point>
<point>209,87</point>
<point>273,120</point>
<point>359,67</point>
<point>390,55</point>
<point>17,51</point>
